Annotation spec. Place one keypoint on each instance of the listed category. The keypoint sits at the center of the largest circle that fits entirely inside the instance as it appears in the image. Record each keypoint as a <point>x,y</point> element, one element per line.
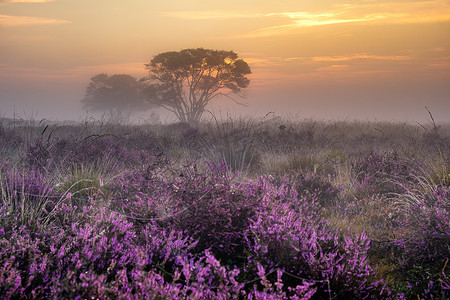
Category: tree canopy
<point>185,82</point>
<point>117,95</point>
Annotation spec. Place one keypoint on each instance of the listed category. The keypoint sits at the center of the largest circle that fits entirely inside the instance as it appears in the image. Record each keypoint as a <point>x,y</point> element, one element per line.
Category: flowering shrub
<point>288,232</point>
<point>9,140</point>
<point>423,241</point>
<point>106,218</point>
<point>253,226</point>
<point>213,209</point>
<point>27,191</point>
<point>383,174</point>
<point>209,206</point>
<point>102,256</point>
<point>309,184</point>
<point>96,150</point>
<point>39,154</point>
<point>43,259</point>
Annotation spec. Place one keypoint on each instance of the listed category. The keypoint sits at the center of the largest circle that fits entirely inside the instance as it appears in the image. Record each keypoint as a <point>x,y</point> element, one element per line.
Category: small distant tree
<point>185,82</point>
<point>117,95</point>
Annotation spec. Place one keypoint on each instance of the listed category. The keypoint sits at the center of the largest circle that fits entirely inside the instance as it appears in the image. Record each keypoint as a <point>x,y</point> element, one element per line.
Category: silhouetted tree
<point>117,95</point>
<point>185,82</point>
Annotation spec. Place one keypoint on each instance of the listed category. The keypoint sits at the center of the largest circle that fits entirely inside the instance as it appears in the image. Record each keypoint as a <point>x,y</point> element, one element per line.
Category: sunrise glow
<point>329,58</point>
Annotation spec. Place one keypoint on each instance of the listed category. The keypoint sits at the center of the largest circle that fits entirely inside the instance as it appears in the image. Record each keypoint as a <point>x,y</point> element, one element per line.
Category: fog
<point>59,99</point>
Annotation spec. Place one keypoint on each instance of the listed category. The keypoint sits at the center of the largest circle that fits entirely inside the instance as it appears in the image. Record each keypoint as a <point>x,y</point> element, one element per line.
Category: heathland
<point>244,209</point>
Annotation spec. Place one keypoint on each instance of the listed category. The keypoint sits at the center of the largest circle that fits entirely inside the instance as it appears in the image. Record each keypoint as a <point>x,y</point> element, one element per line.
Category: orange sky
<point>369,59</point>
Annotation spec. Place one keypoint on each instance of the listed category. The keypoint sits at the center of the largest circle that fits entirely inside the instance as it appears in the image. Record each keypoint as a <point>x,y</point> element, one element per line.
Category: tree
<point>185,82</point>
<point>117,95</point>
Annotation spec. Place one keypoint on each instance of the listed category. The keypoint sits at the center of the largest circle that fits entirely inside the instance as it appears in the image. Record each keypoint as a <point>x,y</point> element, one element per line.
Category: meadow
<point>269,208</point>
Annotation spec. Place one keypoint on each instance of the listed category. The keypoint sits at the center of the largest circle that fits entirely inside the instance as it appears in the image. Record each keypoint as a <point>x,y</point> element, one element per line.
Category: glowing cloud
<point>30,1</point>
<point>361,56</point>
<point>7,20</point>
<point>210,15</point>
<point>374,13</point>
<point>133,68</point>
<point>363,12</point>
<point>304,19</point>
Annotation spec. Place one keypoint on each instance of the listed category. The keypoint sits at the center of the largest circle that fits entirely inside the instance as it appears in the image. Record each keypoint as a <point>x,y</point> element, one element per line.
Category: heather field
<point>235,209</point>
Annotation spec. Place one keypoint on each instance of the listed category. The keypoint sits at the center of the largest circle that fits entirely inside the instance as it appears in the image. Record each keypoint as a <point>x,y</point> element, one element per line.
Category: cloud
<point>369,13</point>
<point>133,68</point>
<point>305,19</point>
<point>362,56</point>
<point>273,71</point>
<point>364,12</point>
<point>7,20</point>
<point>77,73</point>
<point>30,1</point>
<point>258,60</point>
<point>404,12</point>
<point>210,15</point>
<point>9,2</point>
<point>333,68</point>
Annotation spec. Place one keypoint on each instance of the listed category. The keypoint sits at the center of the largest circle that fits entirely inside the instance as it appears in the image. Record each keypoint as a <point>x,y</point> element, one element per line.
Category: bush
<point>105,217</point>
<point>39,155</point>
<point>423,241</point>
<point>288,233</point>
<point>28,192</point>
<point>310,184</point>
<point>383,174</point>
<point>209,206</point>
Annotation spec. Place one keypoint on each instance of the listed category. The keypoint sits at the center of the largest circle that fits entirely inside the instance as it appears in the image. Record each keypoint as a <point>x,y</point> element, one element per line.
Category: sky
<point>370,60</point>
